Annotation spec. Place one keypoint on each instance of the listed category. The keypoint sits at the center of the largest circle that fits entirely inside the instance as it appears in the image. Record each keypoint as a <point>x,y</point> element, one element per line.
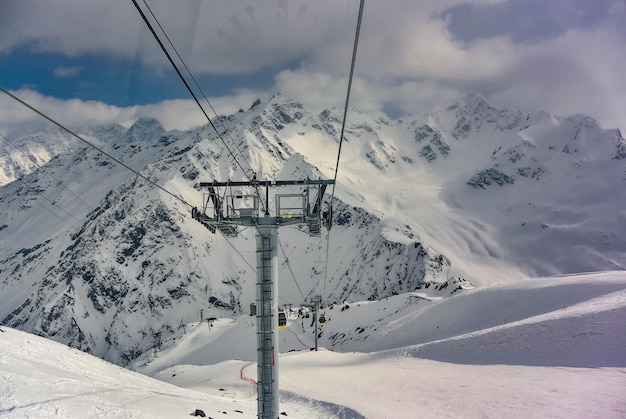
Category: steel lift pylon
<point>234,209</point>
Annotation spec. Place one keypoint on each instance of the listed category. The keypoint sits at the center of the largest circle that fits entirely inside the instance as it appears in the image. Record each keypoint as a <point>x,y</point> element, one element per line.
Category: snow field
<point>537,348</point>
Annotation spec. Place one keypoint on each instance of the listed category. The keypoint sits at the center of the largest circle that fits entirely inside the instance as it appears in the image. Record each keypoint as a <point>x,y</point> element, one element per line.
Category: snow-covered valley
<point>541,347</point>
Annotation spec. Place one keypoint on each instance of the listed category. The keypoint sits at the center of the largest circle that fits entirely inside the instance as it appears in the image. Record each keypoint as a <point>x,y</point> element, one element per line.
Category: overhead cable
<point>182,78</point>
<point>291,271</point>
<point>343,126</point>
<point>195,82</point>
<point>345,109</point>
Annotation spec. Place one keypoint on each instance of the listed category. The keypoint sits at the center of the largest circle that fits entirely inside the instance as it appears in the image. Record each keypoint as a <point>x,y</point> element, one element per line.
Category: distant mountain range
<point>96,257</point>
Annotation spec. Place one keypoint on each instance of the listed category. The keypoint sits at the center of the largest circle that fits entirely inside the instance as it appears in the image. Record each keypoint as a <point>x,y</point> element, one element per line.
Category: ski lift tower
<point>234,209</point>
<point>316,300</point>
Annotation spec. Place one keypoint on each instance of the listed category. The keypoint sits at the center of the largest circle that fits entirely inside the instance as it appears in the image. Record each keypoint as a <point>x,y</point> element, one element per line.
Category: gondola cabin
<point>282,319</point>
<point>322,319</point>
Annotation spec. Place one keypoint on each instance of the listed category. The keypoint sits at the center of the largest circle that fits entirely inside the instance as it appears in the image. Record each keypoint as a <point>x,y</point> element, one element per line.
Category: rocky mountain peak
<point>472,110</point>
<point>144,128</point>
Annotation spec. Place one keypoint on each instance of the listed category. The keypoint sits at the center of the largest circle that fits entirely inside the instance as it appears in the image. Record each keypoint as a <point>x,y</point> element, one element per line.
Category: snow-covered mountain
<point>30,152</point>
<point>98,258</point>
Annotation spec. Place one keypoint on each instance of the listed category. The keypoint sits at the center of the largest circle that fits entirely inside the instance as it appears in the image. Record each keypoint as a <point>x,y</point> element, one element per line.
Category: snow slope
<point>532,348</point>
<point>42,378</point>
<point>499,351</point>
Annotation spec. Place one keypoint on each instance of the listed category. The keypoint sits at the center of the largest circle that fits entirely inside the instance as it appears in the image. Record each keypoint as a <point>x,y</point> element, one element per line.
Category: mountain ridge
<point>132,263</point>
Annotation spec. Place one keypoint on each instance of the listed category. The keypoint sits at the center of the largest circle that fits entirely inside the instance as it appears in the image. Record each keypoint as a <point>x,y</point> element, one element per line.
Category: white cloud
<point>222,36</point>
<point>69,26</point>
<point>407,58</point>
<point>16,119</point>
<point>577,73</point>
<point>184,114</point>
<point>67,71</point>
<point>319,91</point>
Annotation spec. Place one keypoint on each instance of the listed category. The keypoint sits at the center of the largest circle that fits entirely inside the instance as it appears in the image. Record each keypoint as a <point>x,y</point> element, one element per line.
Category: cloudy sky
<point>93,62</point>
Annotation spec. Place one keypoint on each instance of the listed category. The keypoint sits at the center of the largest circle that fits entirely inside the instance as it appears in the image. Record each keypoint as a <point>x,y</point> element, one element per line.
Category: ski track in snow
<point>243,377</point>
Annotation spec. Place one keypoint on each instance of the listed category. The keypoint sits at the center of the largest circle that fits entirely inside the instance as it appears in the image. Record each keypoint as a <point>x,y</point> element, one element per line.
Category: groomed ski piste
<point>541,347</point>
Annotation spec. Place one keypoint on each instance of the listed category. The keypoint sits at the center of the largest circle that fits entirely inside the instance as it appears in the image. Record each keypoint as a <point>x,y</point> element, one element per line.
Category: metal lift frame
<point>309,213</point>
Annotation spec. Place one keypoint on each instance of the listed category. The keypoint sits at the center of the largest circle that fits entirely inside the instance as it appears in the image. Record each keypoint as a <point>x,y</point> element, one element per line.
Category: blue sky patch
<point>116,80</point>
